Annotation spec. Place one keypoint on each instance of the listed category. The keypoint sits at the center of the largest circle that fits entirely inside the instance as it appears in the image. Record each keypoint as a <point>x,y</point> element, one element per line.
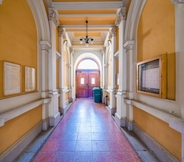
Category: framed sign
<point>29,79</point>
<point>12,78</point>
<point>151,77</point>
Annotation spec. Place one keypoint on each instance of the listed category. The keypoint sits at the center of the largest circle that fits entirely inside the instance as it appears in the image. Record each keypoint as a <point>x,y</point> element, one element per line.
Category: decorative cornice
<point>120,15</point>
<point>1,1</point>
<point>177,1</point>
<point>129,45</point>
<point>61,31</point>
<point>45,45</point>
<point>53,16</point>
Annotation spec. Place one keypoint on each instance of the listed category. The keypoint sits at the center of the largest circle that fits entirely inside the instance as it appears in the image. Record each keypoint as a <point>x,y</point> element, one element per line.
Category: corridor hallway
<point>87,133</point>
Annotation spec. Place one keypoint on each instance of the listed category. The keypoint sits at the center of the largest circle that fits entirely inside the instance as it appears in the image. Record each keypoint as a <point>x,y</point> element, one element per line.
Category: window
<point>87,64</point>
<point>82,81</point>
<point>93,81</point>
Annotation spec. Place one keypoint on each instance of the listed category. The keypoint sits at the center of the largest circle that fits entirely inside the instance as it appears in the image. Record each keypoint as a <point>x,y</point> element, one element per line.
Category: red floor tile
<point>87,133</point>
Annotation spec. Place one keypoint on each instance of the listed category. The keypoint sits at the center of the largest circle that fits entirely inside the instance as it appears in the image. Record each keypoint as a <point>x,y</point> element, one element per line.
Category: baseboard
<point>160,152</point>
<point>112,111</point>
<point>120,121</point>
<point>13,152</point>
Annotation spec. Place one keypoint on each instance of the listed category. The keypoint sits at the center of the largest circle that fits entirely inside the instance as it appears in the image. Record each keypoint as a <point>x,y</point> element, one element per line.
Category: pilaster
<point>121,113</point>
<point>177,1</point>
<point>54,115</point>
<point>112,106</point>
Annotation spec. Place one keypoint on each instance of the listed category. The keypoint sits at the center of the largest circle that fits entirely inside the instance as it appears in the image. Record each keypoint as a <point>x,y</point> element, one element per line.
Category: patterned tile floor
<point>87,133</point>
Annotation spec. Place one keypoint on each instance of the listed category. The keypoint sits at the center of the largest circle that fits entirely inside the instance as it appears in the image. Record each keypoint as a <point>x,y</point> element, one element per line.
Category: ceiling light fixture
<point>87,40</point>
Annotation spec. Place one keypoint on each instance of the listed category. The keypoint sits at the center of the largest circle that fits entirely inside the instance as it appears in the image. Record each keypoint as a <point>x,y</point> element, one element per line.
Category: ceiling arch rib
<point>101,16</point>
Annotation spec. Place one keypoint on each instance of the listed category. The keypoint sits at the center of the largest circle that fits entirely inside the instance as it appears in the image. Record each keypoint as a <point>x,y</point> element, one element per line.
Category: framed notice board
<point>151,76</point>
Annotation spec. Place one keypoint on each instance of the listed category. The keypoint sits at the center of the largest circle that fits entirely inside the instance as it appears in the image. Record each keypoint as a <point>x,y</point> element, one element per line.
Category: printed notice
<point>29,79</point>
<point>12,78</point>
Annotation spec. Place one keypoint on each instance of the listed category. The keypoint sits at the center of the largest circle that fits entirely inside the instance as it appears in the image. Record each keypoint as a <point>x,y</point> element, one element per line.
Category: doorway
<point>86,80</point>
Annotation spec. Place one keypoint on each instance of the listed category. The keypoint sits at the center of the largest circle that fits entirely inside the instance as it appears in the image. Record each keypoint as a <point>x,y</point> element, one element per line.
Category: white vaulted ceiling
<point>101,16</point>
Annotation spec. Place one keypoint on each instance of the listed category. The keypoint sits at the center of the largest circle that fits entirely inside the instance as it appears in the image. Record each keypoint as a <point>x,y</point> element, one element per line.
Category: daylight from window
<point>87,64</point>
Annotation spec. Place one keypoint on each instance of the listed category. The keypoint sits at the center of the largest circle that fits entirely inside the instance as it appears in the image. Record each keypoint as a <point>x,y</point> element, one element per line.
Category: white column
<point>45,90</point>
<point>70,66</point>
<point>120,116</point>
<point>104,76</point>
<point>112,106</point>
<point>62,105</point>
<point>130,76</point>
<point>54,115</point>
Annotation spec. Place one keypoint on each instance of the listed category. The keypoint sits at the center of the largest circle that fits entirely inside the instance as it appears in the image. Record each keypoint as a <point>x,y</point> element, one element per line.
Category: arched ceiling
<point>101,16</point>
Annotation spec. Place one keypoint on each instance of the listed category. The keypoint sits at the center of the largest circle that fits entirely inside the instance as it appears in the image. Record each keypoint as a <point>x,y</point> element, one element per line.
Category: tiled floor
<point>87,133</point>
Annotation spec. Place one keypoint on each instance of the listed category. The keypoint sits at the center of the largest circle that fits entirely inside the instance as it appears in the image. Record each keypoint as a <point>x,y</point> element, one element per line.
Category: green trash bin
<point>97,94</point>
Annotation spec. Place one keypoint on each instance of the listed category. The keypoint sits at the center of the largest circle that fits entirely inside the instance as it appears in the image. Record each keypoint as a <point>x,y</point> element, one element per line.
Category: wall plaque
<point>29,79</point>
<point>12,78</point>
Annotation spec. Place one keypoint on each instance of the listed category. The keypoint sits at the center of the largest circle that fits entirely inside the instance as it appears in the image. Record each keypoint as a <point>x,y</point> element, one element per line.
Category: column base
<point>129,125</point>
<point>45,124</point>
<point>53,121</point>
<point>112,111</point>
<point>121,122</point>
<point>65,109</point>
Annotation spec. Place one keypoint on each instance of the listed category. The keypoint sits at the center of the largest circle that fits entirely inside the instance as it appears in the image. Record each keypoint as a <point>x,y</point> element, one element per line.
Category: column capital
<point>103,51</point>
<point>129,45</point>
<point>177,1</point>
<point>112,32</point>
<point>45,45</point>
<point>120,15</point>
<point>53,16</point>
<point>61,32</point>
<point>71,50</point>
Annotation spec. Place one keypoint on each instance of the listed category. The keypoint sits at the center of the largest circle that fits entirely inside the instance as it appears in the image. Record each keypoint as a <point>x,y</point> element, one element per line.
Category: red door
<point>85,81</point>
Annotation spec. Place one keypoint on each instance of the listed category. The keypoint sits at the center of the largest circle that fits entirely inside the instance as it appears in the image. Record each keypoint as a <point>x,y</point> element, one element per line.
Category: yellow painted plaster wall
<point>67,95</point>
<point>14,129</point>
<point>156,36</point>
<point>18,37</point>
<point>65,69</point>
<point>57,39</point>
<point>117,38</point>
<point>160,131</point>
<point>57,73</point>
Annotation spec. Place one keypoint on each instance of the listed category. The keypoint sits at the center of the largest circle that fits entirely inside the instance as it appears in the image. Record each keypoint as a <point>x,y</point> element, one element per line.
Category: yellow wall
<point>160,131</point>
<point>66,95</point>
<point>57,74</point>
<point>117,71</point>
<point>156,36</point>
<point>57,39</point>
<point>65,69</point>
<point>117,38</point>
<point>19,126</point>
<point>18,36</point>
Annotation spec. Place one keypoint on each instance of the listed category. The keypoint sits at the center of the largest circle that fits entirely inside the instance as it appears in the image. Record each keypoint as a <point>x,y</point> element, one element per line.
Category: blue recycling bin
<point>97,94</point>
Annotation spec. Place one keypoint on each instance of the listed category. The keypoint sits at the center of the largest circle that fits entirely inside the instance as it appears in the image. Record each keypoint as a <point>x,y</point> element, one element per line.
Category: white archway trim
<point>133,17</point>
<point>87,55</point>
<point>40,16</point>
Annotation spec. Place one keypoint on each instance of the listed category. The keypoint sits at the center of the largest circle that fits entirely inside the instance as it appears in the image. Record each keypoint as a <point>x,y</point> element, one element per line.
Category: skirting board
<point>14,151</point>
<point>161,153</point>
<point>119,121</point>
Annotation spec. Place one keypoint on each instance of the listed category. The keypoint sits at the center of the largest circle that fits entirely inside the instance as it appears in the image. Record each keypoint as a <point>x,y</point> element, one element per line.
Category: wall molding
<point>9,115</point>
<point>177,1</point>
